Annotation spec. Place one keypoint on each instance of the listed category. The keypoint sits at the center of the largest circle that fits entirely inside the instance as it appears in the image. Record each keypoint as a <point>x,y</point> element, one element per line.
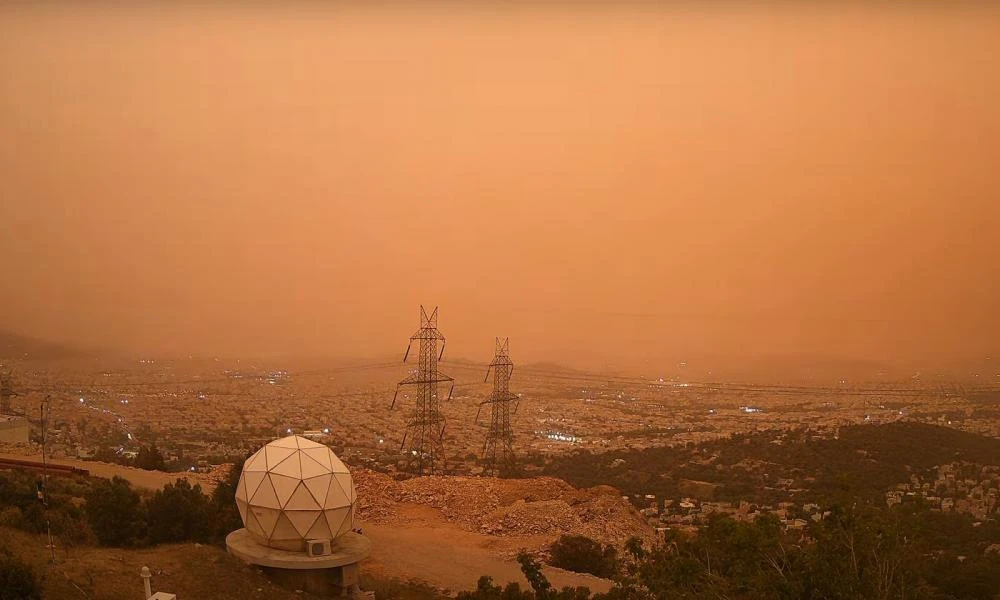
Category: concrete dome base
<point>329,575</point>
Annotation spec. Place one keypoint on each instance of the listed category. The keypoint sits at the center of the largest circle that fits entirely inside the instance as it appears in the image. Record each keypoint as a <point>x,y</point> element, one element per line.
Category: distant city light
<point>558,436</point>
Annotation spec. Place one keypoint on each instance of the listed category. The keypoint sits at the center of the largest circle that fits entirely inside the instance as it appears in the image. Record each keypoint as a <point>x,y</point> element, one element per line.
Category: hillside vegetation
<point>864,460</point>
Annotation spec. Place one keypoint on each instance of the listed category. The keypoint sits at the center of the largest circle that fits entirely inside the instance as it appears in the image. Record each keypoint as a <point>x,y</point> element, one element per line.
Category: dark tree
<point>115,513</point>
<point>226,516</point>
<point>532,570</point>
<point>150,459</point>
<point>179,513</point>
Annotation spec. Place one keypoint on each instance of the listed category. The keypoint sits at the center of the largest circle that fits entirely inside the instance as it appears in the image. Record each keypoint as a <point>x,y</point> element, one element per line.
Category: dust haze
<point>608,187</point>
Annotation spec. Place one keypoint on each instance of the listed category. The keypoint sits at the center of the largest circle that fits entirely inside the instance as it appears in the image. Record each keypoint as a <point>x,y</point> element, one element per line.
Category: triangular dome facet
<point>311,468</point>
<point>253,480</point>
<point>256,462</point>
<point>290,467</point>
<point>303,520</point>
<point>265,495</point>
<point>276,454</point>
<point>335,496</point>
<point>302,499</point>
<point>321,456</point>
<point>318,487</point>
<point>286,442</point>
<point>284,487</point>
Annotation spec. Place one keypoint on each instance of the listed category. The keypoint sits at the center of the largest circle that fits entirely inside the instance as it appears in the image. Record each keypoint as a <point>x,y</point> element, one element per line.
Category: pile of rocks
<point>504,507</point>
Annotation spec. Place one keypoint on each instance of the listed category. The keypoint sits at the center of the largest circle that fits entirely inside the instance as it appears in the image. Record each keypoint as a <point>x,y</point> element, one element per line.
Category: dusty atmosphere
<point>614,188</point>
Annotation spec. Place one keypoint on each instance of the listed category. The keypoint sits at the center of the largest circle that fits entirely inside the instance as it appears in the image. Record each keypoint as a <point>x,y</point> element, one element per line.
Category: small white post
<point>145,581</point>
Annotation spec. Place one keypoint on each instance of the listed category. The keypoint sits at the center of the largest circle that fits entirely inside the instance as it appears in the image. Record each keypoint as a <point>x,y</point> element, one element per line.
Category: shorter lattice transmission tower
<point>425,427</point>
<point>498,450</point>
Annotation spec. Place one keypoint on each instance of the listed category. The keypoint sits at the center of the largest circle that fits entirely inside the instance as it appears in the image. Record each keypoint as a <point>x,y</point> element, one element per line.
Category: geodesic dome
<point>293,490</point>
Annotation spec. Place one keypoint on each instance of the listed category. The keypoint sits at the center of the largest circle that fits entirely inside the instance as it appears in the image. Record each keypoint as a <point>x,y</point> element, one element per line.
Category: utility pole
<point>46,413</point>
<point>425,427</point>
<point>498,450</point>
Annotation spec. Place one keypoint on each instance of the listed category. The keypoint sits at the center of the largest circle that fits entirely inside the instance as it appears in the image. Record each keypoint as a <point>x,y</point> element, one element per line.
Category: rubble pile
<point>504,507</point>
<point>532,518</point>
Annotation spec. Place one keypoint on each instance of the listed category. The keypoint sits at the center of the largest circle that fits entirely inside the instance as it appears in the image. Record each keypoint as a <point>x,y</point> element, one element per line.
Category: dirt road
<point>427,547</point>
<point>149,480</point>
<point>449,558</point>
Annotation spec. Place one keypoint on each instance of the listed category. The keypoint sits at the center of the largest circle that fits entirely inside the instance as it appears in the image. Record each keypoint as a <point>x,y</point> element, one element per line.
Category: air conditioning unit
<point>317,547</point>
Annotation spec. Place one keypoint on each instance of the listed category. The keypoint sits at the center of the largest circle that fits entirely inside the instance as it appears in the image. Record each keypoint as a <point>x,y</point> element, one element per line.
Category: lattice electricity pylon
<point>498,450</point>
<point>425,427</point>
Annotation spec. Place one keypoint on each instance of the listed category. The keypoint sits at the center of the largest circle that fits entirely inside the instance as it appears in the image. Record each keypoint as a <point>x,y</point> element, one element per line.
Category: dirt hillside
<point>541,506</point>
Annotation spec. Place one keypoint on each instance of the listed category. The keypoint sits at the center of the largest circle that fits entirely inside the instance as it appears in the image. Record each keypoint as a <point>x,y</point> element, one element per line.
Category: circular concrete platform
<point>347,549</point>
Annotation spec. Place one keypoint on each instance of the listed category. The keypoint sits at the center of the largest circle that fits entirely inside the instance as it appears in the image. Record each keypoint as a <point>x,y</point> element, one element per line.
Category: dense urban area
<point>614,461</point>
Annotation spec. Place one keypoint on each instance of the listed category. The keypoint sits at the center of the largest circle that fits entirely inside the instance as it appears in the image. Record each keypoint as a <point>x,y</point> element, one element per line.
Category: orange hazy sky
<point>607,186</point>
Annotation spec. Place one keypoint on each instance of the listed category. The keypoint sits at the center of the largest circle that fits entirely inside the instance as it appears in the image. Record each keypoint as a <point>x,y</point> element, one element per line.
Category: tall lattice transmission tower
<point>6,393</point>
<point>425,427</point>
<point>498,450</point>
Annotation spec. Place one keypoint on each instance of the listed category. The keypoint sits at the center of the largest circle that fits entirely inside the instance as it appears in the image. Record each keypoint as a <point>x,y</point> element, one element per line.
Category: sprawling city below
<point>678,453</point>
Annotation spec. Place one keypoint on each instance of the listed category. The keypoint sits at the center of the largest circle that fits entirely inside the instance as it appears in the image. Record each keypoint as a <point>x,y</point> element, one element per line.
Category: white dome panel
<point>241,490</point>
<point>266,518</point>
<point>286,442</point>
<point>276,454</point>
<point>311,468</point>
<point>257,462</point>
<point>290,467</point>
<point>347,484</point>
<point>303,520</point>
<point>284,487</point>
<point>318,486</point>
<point>321,456</point>
<point>284,530</point>
<point>335,518</point>
<point>302,499</point>
<point>347,524</point>
<point>253,480</point>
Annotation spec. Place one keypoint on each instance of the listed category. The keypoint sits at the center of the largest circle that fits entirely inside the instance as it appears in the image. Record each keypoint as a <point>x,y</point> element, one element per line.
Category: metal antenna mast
<point>425,427</point>
<point>498,450</point>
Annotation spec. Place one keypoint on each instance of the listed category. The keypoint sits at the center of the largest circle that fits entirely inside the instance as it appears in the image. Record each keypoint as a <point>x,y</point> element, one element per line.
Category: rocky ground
<point>518,508</point>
